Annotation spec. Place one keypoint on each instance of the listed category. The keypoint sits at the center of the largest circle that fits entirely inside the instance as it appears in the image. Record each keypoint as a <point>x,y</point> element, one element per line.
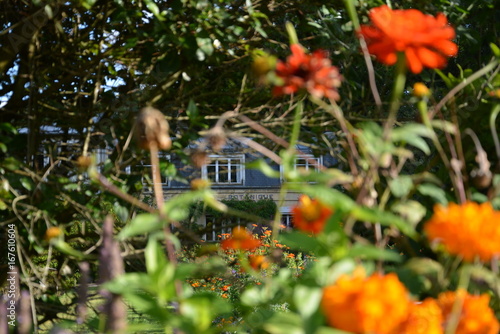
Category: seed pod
<point>199,158</point>
<point>216,138</point>
<point>152,128</point>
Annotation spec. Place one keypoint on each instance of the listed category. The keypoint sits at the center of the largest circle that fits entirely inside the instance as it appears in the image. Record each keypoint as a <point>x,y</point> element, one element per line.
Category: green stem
<point>397,92</point>
<point>463,283</point>
<point>296,126</point>
<point>457,182</point>
<point>494,133</point>
<point>353,14</point>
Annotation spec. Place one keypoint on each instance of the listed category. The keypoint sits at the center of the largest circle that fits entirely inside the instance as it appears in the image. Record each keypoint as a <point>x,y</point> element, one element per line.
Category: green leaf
<point>177,207</point>
<point>141,224</point>
<point>401,186</point>
<point>205,45</point>
<point>155,257</point>
<point>433,191</point>
<point>412,211</point>
<point>148,304</point>
<point>384,218</point>
<point>201,310</point>
<point>371,252</point>
<point>26,183</point>
<point>495,49</point>
<point>307,299</point>
<point>65,248</point>
<point>329,196</point>
<point>11,164</point>
<point>299,241</point>
<point>128,283</point>
<point>121,211</point>
<point>284,323</point>
<point>412,134</point>
<point>153,7</point>
<point>3,206</point>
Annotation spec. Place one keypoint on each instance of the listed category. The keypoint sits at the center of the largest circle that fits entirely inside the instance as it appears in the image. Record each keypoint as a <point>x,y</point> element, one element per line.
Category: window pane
<point>211,173</point>
<point>223,173</point>
<point>234,174</point>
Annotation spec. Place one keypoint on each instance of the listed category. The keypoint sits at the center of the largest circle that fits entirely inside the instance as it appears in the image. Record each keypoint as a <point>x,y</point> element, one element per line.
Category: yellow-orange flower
<point>420,90</point>
<point>258,262</point>
<point>468,230</point>
<point>240,239</point>
<point>476,317</point>
<point>423,318</point>
<point>52,232</point>
<point>310,215</point>
<point>424,39</point>
<point>377,304</point>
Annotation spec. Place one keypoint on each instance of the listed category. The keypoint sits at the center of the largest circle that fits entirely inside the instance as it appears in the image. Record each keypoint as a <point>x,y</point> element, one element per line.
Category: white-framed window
<point>214,227</point>
<point>306,162</point>
<point>144,168</point>
<point>225,169</point>
<point>286,217</point>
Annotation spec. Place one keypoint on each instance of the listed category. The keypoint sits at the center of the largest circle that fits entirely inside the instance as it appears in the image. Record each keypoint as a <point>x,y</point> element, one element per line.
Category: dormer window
<point>225,169</point>
<point>306,162</point>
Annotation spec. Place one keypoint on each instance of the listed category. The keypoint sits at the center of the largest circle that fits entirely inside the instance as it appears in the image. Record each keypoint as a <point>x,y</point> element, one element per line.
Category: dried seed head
<point>200,184</point>
<point>83,162</point>
<point>199,158</point>
<point>152,128</point>
<point>216,138</point>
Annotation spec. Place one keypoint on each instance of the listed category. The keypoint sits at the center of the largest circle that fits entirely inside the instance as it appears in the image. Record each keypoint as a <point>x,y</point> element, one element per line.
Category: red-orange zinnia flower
<point>240,239</point>
<point>312,72</point>
<point>468,230</point>
<point>377,304</point>
<point>476,317</point>
<point>310,215</point>
<point>424,39</point>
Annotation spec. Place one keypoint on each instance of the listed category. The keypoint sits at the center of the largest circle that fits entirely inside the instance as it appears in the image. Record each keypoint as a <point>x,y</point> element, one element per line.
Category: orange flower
<point>424,39</point>
<point>423,318</point>
<point>312,72</point>
<point>310,215</point>
<point>240,239</point>
<point>468,230</point>
<point>476,317</point>
<point>258,262</point>
<point>291,255</point>
<point>52,232</point>
<point>377,304</point>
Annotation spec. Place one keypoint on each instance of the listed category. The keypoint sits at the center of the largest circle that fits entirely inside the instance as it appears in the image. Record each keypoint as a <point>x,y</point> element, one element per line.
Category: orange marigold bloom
<point>424,39</point>
<point>310,215</point>
<point>312,72</point>
<point>476,317</point>
<point>468,230</point>
<point>423,318</point>
<point>240,239</point>
<point>258,262</point>
<point>377,304</point>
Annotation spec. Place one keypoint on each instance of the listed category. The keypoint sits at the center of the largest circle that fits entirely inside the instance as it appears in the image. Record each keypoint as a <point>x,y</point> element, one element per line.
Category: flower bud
<point>420,90</point>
